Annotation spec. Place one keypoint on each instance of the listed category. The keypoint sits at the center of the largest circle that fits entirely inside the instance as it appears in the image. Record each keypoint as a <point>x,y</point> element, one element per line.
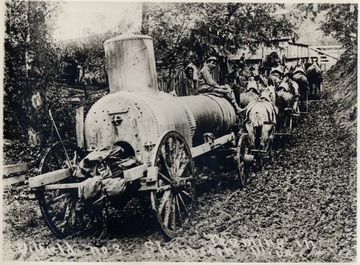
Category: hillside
<point>340,89</point>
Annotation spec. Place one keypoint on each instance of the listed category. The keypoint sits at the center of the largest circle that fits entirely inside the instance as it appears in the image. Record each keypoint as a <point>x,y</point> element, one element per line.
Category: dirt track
<point>302,208</point>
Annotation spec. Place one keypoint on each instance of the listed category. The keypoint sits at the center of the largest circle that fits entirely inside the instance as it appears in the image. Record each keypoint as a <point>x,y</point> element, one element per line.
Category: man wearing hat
<point>206,83</point>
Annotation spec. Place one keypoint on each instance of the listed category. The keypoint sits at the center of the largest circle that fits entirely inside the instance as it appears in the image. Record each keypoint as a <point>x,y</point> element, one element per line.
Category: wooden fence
<point>179,84</point>
<point>15,174</point>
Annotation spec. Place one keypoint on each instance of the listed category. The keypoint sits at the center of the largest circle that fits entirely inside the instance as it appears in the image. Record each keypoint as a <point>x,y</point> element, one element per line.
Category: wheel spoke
<point>173,212</point>
<point>178,206</point>
<point>164,188</point>
<point>57,199</point>
<point>167,211</point>
<point>184,205</point>
<point>163,158</point>
<point>164,199</point>
<point>182,169</point>
<point>186,194</point>
<point>164,178</point>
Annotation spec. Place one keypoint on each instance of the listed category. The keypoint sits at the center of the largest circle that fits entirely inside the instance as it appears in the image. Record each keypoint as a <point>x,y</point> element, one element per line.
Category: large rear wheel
<point>64,213</point>
<point>174,199</point>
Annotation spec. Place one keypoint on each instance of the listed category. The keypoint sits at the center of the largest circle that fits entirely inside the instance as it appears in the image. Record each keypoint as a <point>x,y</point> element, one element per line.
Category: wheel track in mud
<point>300,208</point>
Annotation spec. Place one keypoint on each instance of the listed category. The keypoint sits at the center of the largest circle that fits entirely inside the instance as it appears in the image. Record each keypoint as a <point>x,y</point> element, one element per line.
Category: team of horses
<point>271,94</point>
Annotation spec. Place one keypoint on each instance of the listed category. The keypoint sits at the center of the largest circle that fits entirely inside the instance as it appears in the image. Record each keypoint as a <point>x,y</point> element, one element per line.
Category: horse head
<point>269,94</point>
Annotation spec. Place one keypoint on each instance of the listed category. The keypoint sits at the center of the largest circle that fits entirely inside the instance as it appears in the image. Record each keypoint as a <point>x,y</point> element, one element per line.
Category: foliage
<point>28,27</point>
<point>341,22</point>
<point>89,52</point>
<point>197,30</point>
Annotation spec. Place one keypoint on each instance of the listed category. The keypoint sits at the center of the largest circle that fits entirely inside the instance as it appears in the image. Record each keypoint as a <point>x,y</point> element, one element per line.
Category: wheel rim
<point>244,168</point>
<point>64,214</point>
<point>174,199</point>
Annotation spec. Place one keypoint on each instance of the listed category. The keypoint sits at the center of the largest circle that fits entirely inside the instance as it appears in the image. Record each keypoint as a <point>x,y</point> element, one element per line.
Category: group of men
<point>241,78</point>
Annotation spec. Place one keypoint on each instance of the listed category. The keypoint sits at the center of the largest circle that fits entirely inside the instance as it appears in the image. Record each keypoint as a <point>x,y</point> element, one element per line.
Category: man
<point>293,88</point>
<point>191,73</point>
<point>207,83</point>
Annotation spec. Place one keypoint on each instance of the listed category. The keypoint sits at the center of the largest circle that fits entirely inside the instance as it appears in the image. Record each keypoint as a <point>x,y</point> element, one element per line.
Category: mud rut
<point>300,208</point>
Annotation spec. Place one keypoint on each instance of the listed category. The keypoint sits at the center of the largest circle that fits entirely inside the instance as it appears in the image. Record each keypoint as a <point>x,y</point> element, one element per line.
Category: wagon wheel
<point>319,90</point>
<point>64,214</point>
<point>270,152</point>
<point>288,122</point>
<point>244,159</point>
<point>174,200</point>
<point>304,108</point>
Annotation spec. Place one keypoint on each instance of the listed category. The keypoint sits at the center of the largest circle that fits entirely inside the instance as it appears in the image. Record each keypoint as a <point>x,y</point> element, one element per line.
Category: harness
<point>269,108</point>
<point>298,71</point>
<point>252,89</point>
<point>252,86</point>
<point>276,73</point>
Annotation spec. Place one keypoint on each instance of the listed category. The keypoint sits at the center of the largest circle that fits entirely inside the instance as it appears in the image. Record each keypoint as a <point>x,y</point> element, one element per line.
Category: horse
<point>299,76</point>
<point>269,94</point>
<point>284,101</point>
<point>276,75</point>
<point>260,121</point>
<point>314,76</point>
<point>251,93</point>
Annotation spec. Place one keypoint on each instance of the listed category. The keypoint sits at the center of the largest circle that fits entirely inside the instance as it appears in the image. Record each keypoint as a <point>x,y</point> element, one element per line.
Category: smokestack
<point>130,64</point>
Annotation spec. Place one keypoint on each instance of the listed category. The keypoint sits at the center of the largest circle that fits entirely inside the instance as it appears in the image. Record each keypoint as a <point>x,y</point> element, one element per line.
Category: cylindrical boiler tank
<point>139,119</point>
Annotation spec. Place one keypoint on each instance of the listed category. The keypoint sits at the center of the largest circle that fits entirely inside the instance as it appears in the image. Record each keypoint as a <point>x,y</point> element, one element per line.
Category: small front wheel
<point>244,159</point>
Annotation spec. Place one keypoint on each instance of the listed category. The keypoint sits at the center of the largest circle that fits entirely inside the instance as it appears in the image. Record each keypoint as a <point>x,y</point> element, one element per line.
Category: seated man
<point>206,83</point>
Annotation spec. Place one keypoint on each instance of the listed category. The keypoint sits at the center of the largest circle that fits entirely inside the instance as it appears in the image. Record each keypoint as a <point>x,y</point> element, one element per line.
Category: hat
<point>212,58</point>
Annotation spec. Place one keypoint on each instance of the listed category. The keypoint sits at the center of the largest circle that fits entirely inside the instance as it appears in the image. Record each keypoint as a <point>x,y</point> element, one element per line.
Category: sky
<point>78,16</point>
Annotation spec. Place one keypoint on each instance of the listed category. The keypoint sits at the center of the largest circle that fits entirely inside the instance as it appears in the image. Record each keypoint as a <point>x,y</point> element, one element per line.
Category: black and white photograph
<point>179,131</point>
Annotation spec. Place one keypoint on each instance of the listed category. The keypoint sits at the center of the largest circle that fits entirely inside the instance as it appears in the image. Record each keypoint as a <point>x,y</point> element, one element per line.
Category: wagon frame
<point>57,189</point>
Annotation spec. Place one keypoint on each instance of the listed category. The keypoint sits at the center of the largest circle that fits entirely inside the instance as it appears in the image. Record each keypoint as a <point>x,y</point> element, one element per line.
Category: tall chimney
<point>130,64</point>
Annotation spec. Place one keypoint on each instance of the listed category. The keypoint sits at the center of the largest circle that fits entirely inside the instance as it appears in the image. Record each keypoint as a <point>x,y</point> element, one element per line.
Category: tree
<point>29,56</point>
<point>88,52</point>
<point>341,23</point>
<point>169,24</point>
<point>204,29</point>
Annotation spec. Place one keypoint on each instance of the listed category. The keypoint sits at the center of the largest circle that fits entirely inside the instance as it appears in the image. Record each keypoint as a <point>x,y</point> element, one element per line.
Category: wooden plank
<point>62,186</point>
<point>134,173</point>
<point>8,169</point>
<point>206,147</point>
<point>13,180</point>
<point>49,177</point>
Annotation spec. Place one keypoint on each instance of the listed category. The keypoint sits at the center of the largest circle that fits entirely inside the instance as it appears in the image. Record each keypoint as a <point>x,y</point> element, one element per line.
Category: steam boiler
<point>137,140</point>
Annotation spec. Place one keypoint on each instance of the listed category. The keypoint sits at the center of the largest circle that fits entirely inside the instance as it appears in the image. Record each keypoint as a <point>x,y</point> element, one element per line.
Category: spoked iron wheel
<point>244,157</point>
<point>64,214</point>
<point>174,200</point>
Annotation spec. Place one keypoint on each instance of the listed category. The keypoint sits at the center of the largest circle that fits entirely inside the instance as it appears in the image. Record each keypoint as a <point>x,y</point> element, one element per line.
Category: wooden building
<point>291,52</point>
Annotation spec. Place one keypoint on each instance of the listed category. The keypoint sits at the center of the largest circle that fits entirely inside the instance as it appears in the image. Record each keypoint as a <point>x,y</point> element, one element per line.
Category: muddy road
<point>300,208</point>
